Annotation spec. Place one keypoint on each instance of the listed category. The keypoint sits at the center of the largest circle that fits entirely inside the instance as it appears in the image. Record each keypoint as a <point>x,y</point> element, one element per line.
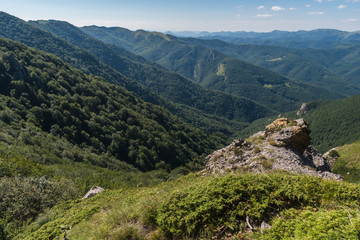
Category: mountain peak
<point>283,146</point>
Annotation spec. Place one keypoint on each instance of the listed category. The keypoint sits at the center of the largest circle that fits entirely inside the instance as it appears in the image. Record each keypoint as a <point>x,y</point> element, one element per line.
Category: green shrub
<point>229,200</point>
<point>267,163</point>
<point>257,150</point>
<point>313,224</point>
<point>237,151</point>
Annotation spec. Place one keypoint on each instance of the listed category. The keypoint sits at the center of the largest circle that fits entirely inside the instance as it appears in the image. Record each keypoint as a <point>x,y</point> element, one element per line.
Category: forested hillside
<point>287,62</point>
<point>213,69</point>
<point>168,84</point>
<point>206,109</point>
<point>88,111</point>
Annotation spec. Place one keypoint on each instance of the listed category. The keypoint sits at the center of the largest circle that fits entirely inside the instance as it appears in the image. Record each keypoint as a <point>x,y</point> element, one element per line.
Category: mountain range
<point>135,111</point>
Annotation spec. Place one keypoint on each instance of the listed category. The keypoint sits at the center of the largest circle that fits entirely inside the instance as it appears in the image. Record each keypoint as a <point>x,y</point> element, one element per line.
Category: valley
<point>191,135</point>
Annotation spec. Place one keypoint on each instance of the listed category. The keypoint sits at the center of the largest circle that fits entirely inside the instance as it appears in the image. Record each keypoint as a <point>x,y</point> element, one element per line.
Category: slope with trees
<point>212,111</point>
<point>288,62</point>
<point>213,69</point>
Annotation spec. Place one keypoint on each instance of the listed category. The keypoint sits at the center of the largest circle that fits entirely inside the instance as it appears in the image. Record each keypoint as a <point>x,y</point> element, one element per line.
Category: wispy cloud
<point>307,5</point>
<point>319,1</point>
<point>292,8</point>
<point>277,8</point>
<point>341,6</point>
<point>316,13</point>
<point>261,7</point>
<point>353,1</point>
<point>351,20</point>
<point>264,15</point>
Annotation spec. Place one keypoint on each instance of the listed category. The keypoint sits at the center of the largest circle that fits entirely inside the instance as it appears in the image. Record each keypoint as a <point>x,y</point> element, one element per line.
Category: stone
<point>284,145</point>
<point>304,109</point>
<point>93,191</point>
<point>264,226</point>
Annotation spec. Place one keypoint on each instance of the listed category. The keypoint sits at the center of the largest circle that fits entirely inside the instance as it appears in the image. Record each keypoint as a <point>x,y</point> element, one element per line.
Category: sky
<point>194,15</point>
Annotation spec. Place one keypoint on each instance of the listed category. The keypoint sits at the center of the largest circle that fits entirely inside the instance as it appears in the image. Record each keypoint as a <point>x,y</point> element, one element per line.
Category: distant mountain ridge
<point>318,38</point>
<point>213,69</point>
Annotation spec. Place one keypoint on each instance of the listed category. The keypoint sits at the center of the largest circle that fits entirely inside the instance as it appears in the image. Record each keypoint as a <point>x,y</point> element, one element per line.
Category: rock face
<point>283,146</point>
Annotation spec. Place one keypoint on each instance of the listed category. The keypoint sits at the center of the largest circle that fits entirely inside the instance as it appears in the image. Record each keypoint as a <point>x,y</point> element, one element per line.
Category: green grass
<point>198,207</point>
<point>348,163</point>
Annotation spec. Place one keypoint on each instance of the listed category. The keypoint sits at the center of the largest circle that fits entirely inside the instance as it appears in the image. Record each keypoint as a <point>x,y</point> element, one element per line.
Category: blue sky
<point>195,15</point>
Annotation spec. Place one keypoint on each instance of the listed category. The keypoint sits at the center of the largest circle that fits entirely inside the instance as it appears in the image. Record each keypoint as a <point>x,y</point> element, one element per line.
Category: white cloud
<point>354,1</point>
<point>307,5</point>
<point>264,15</point>
<point>351,20</point>
<point>261,7</point>
<point>319,1</point>
<point>316,13</point>
<point>292,8</point>
<point>341,6</point>
<point>277,8</point>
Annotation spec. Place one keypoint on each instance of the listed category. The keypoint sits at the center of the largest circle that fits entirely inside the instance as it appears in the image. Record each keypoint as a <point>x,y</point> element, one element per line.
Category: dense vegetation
<point>63,131</point>
<point>208,110</point>
<point>213,69</point>
<point>196,207</point>
<point>170,85</point>
<point>342,60</point>
<point>41,89</point>
<point>286,62</point>
<point>334,123</point>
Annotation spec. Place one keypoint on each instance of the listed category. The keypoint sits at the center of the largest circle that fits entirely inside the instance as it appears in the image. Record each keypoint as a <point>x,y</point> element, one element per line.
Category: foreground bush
<point>222,205</point>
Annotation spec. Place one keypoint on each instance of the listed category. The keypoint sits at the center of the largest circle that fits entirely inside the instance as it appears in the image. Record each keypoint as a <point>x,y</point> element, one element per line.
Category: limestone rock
<point>304,109</point>
<point>283,146</point>
<point>93,191</point>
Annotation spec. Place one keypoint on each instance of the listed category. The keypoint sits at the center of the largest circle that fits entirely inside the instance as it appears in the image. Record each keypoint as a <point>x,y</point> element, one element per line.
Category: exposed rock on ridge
<point>283,146</point>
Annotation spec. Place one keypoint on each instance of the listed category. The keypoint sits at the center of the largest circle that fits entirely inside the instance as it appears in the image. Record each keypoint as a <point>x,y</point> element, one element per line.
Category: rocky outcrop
<point>93,191</point>
<point>304,109</point>
<point>283,146</point>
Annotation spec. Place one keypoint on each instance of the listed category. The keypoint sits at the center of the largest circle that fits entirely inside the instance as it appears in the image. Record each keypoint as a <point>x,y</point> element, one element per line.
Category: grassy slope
<point>196,207</point>
<point>348,163</point>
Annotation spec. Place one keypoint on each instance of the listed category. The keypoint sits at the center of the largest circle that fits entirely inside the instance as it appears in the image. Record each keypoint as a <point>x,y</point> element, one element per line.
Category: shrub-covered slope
<point>196,207</point>
<point>213,69</point>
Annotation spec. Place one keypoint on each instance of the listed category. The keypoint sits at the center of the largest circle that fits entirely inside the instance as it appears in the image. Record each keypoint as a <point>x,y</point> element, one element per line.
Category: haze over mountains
<point>130,109</point>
